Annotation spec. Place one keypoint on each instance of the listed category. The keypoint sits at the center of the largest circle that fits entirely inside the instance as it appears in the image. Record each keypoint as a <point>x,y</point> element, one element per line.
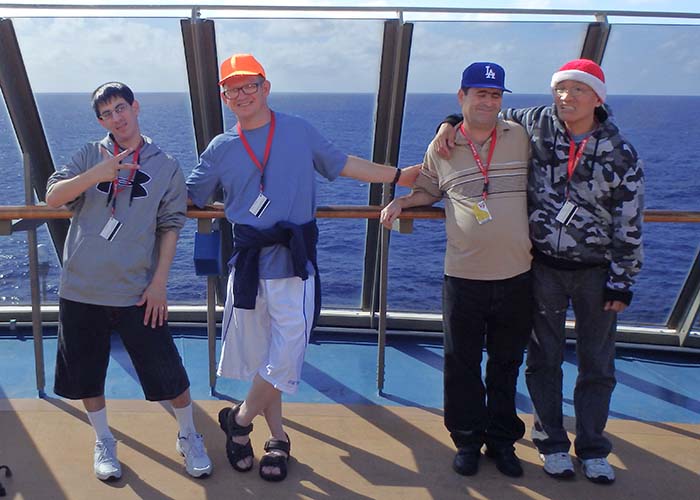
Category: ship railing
<point>29,217</point>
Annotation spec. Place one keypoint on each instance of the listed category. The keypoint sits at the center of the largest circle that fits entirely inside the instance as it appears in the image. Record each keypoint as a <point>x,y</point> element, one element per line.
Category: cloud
<point>309,55</point>
<point>325,55</point>
<point>76,55</point>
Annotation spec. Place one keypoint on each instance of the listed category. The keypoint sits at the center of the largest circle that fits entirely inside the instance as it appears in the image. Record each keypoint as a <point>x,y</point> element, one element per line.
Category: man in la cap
<point>585,203</point>
<point>486,287</point>
<point>267,165</point>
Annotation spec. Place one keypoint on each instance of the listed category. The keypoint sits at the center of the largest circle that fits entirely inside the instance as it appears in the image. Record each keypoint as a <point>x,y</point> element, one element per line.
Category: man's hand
<point>390,213</point>
<point>409,175</point>
<point>108,169</point>
<point>156,299</point>
<point>614,305</point>
<point>445,140</point>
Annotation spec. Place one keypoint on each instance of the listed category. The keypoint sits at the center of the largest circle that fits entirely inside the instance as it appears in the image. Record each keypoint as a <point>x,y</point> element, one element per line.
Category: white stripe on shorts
<point>271,339</point>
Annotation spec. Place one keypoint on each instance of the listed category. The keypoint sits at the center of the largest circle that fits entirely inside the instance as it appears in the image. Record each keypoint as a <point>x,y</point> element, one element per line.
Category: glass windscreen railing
<point>439,54</point>
<point>328,76</point>
<point>655,98</point>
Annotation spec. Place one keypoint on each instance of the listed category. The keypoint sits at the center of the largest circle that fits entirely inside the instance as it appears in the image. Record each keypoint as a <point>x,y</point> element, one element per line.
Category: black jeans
<point>554,289</point>
<point>500,311</point>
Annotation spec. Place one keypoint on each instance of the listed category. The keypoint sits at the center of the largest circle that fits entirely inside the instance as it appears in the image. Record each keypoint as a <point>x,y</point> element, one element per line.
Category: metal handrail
<point>204,217</point>
<point>44,212</point>
<point>387,12</point>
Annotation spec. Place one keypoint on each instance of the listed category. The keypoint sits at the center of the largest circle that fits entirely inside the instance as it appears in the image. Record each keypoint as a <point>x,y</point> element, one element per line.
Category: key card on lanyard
<point>566,213</point>
<point>481,212</point>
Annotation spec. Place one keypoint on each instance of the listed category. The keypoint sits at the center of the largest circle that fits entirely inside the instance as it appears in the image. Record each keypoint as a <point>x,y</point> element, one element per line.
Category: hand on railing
<point>390,213</point>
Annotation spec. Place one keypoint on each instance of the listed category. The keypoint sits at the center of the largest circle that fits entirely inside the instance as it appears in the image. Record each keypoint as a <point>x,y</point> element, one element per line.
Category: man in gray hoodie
<point>120,245</point>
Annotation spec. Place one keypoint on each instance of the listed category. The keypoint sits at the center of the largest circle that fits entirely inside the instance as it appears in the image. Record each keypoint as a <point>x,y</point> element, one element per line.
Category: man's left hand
<point>614,305</point>
<point>156,299</point>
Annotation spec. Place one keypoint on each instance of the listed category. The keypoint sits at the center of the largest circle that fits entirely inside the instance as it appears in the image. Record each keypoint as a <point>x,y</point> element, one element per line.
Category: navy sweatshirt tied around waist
<point>247,243</point>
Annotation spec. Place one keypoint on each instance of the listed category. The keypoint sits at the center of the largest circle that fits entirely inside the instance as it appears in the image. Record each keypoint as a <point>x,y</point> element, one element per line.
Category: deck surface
<point>348,441</point>
<point>340,452</point>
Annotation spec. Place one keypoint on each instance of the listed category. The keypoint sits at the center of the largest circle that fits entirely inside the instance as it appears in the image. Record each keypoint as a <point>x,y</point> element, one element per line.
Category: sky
<point>76,54</point>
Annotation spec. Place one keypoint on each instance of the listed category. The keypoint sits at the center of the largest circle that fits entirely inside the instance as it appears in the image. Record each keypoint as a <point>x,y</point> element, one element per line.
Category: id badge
<point>111,229</point>
<point>259,205</point>
<point>481,212</point>
<point>566,213</point>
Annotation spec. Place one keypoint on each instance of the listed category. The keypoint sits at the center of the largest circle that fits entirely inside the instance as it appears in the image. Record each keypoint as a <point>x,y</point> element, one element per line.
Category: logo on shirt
<point>137,185</point>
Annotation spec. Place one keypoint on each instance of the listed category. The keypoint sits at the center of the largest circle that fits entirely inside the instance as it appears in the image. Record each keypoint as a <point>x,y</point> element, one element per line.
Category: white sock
<point>185,420</point>
<point>98,420</point>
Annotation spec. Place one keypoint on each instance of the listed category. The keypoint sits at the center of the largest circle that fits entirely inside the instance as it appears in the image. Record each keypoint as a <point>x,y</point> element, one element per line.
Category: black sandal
<point>235,451</point>
<point>274,459</point>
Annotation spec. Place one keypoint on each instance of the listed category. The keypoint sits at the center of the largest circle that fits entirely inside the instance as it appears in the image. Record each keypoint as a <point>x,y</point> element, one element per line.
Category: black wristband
<point>397,176</point>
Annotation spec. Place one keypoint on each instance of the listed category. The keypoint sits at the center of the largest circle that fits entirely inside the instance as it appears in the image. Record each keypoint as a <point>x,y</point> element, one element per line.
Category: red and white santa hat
<point>584,71</point>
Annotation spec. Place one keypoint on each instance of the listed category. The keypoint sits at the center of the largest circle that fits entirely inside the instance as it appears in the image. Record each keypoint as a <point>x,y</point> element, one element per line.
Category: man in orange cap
<point>266,165</point>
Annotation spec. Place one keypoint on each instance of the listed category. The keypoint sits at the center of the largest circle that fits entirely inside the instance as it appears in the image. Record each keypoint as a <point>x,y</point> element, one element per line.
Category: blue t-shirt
<point>298,151</point>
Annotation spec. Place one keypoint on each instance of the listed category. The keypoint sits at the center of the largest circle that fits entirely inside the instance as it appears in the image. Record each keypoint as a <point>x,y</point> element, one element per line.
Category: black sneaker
<point>506,461</point>
<point>466,461</point>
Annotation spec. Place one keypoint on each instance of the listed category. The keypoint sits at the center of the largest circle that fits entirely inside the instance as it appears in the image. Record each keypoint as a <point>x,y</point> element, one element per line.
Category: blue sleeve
<point>203,179</point>
<point>328,160</point>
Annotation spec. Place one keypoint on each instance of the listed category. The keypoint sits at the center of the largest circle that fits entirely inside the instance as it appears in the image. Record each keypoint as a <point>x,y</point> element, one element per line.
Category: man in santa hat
<point>585,203</point>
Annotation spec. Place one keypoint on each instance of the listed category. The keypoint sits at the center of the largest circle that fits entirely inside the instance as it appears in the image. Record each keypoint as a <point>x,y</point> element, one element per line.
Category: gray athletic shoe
<point>558,465</point>
<point>107,467</point>
<point>197,461</point>
<point>598,470</point>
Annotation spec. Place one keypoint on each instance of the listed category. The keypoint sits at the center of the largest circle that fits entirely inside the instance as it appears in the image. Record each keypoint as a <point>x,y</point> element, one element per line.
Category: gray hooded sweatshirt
<point>116,271</point>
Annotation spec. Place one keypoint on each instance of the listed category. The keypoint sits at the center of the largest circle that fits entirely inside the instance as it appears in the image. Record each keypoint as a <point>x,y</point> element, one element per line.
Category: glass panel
<point>416,260</point>
<point>13,248</point>
<point>64,70</point>
<point>661,90</point>
<point>329,76</point>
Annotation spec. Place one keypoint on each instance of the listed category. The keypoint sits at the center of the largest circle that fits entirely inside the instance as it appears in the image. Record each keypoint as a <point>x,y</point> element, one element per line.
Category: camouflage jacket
<point>607,186</point>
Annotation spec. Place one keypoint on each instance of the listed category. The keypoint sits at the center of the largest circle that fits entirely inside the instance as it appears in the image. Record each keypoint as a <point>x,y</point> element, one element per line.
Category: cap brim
<point>239,73</point>
<point>482,86</point>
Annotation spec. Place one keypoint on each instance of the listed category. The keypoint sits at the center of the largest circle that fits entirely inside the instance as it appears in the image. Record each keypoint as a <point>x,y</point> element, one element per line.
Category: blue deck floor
<point>656,386</point>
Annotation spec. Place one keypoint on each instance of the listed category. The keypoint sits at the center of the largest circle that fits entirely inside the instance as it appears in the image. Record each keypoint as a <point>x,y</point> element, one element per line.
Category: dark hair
<point>108,91</point>
<point>466,89</point>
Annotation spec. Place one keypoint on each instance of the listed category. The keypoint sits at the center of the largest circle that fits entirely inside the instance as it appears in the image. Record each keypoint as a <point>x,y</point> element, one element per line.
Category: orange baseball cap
<point>240,64</point>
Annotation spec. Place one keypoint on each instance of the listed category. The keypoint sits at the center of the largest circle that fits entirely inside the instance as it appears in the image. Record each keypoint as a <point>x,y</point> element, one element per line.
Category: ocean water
<point>663,129</point>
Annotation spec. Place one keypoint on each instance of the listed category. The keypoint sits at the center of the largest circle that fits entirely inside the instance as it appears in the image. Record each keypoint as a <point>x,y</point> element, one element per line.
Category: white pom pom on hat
<point>584,71</point>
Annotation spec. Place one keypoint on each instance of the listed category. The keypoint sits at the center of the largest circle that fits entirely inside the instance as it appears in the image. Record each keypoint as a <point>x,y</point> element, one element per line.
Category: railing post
<point>24,114</point>
<point>34,285</point>
<point>199,41</point>
<point>687,305</point>
<point>391,98</point>
<point>205,226</point>
<point>390,107</point>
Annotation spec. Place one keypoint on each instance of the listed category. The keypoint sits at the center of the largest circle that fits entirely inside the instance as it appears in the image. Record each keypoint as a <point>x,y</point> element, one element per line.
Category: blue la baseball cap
<point>484,75</point>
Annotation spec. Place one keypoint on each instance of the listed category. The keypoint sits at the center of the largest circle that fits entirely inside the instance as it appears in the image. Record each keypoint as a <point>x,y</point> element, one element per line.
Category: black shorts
<point>84,344</point>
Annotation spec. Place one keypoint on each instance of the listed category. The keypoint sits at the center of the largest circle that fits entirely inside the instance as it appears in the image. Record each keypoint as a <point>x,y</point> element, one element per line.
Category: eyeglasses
<point>118,110</point>
<point>572,92</point>
<point>247,89</point>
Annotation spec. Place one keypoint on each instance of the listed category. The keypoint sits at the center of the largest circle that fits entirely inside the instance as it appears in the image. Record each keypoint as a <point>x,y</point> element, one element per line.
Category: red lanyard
<point>477,159</point>
<point>268,146</point>
<point>116,189</point>
<point>575,155</point>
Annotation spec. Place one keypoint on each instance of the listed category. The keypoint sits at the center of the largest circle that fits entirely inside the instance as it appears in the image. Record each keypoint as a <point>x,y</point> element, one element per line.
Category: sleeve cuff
<point>624,296</point>
<point>452,120</point>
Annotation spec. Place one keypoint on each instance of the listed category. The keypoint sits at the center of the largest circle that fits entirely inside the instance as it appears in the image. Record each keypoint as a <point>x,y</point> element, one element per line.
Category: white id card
<point>481,212</point>
<point>567,212</point>
<point>259,205</point>
<point>111,228</point>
